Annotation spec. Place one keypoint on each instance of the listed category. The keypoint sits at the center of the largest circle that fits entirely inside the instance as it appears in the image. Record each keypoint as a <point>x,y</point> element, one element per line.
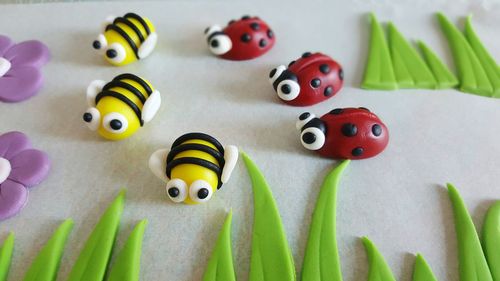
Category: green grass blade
<point>271,258</point>
<point>220,266</point>
<point>489,64</point>
<point>379,270</point>
<point>491,240</point>
<point>379,74</point>
<point>127,266</point>
<point>422,270</point>
<point>473,78</point>
<point>321,259</point>
<point>472,262</point>
<point>444,77</point>
<point>409,68</point>
<point>6,256</point>
<point>46,264</point>
<point>93,260</point>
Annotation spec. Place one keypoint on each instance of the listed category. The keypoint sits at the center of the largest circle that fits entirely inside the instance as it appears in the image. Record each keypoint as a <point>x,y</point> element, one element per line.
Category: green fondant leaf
<point>489,64</point>
<point>93,260</point>
<point>473,78</point>
<point>220,266</point>
<point>379,270</point>
<point>46,264</point>
<point>379,74</point>
<point>472,262</point>
<point>444,77</point>
<point>422,271</point>
<point>321,259</point>
<point>127,266</point>
<point>6,256</point>
<point>271,256</point>
<point>411,71</point>
<point>491,240</point>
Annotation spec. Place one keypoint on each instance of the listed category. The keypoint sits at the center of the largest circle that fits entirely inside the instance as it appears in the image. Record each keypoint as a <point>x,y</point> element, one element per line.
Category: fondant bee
<point>120,107</point>
<point>126,39</point>
<point>195,167</point>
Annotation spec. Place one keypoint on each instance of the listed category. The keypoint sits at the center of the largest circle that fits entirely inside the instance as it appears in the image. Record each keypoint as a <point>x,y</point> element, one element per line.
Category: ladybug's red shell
<point>353,133</point>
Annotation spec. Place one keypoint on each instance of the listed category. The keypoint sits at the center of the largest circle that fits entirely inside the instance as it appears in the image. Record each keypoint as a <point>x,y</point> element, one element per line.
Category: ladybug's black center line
<point>173,192</point>
<point>285,75</point>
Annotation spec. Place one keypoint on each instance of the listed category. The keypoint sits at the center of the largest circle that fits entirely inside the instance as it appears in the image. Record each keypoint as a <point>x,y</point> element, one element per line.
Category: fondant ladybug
<point>244,39</point>
<point>308,80</point>
<point>344,133</point>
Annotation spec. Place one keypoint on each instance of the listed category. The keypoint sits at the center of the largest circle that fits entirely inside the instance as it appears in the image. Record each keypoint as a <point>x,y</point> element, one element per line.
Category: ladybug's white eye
<point>288,90</point>
<point>200,191</point>
<point>219,43</point>
<point>115,123</point>
<point>275,73</point>
<point>312,138</point>
<point>100,43</point>
<point>92,117</point>
<point>177,190</point>
<point>116,53</point>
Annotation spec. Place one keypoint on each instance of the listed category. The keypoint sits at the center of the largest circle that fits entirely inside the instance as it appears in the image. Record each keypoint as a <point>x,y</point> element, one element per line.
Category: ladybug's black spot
<point>203,193</point>
<point>87,117</point>
<point>304,116</point>
<point>337,111</point>
<point>246,37</point>
<point>309,138</point>
<point>214,43</point>
<point>328,91</point>
<point>270,34</point>
<point>271,74</point>
<point>231,22</point>
<point>364,108</point>
<point>245,17</point>
<point>96,44</point>
<point>286,89</point>
<point>173,192</point>
<point>349,130</point>
<point>324,68</point>
<point>292,62</point>
<point>315,83</point>
<point>262,43</point>
<point>255,26</point>
<point>377,130</point>
<point>206,30</point>
<point>341,74</point>
<point>358,151</point>
<point>306,54</point>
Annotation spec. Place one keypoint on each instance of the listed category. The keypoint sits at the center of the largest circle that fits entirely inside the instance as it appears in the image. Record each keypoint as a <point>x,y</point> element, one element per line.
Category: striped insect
<point>194,168</point>
<point>126,39</point>
<point>120,107</point>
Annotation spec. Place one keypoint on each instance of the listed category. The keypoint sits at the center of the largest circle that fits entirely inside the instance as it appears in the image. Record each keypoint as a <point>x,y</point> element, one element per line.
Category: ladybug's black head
<point>218,42</point>
<point>313,131</point>
<point>285,83</point>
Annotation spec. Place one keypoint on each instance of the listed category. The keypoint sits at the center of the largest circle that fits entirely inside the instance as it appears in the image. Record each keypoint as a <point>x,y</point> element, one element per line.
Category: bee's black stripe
<point>137,79</point>
<point>213,35</point>
<point>139,19</point>
<point>198,147</point>
<point>198,136</point>
<point>130,24</point>
<point>130,88</point>
<point>124,99</point>
<point>125,36</point>
<point>195,161</point>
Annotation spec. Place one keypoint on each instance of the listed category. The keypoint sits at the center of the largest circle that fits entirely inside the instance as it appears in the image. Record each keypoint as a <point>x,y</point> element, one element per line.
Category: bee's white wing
<point>148,45</point>
<point>158,164</point>
<point>94,88</point>
<point>151,106</point>
<point>230,157</point>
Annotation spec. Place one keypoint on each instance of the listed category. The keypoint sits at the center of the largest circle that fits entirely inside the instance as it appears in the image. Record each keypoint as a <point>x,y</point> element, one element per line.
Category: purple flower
<point>21,167</point>
<point>20,75</point>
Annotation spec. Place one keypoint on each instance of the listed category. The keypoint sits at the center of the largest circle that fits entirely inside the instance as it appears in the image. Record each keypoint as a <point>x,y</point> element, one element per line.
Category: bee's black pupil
<point>96,44</point>
<point>115,124</point>
<point>87,117</point>
<point>286,89</point>
<point>111,53</point>
<point>203,193</point>
<point>173,192</point>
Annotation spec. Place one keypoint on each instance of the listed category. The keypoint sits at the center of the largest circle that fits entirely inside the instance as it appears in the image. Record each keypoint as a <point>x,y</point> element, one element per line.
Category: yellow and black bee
<point>126,39</point>
<point>120,107</point>
<point>195,167</point>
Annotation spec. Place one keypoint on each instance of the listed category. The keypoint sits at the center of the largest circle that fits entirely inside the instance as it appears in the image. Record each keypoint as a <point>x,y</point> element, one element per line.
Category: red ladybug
<point>244,39</point>
<point>344,133</point>
<point>308,80</point>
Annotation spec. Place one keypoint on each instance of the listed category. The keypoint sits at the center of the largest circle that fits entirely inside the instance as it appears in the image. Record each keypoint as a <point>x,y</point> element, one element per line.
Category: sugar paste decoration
<point>422,271</point>
<point>444,77</point>
<point>6,251</point>
<point>194,168</point>
<point>243,39</point>
<point>379,270</point>
<point>21,167</point>
<point>126,39</point>
<point>491,239</point>
<point>311,79</point>
<point>343,133</point>
<point>20,68</point>
<point>117,109</point>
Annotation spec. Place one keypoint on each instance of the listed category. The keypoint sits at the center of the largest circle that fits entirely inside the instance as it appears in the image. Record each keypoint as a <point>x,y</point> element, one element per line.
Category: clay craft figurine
<point>126,39</point>
<point>195,167</point>
<point>120,107</point>
<point>344,133</point>
<point>308,80</point>
<point>244,39</point>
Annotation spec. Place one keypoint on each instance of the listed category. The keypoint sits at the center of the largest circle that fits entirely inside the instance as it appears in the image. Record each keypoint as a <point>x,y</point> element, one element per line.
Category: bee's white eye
<point>115,123</point>
<point>275,73</point>
<point>92,117</point>
<point>200,191</point>
<point>288,90</point>
<point>312,138</point>
<point>116,53</point>
<point>220,44</point>
<point>177,190</point>
<point>100,43</point>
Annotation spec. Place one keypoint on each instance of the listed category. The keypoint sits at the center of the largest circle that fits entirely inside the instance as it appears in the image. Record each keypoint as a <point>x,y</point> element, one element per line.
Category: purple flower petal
<point>12,143</point>
<point>5,44</point>
<point>13,197</point>
<point>20,83</point>
<point>28,53</point>
<point>29,167</point>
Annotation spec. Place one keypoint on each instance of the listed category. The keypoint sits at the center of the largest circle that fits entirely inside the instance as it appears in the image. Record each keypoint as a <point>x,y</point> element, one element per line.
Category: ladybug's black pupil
<point>203,193</point>
<point>173,192</point>
<point>206,30</point>
<point>286,89</point>
<point>271,74</point>
<point>115,124</point>
<point>111,53</point>
<point>96,44</point>
<point>87,117</point>
<point>304,116</point>
<point>309,138</point>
